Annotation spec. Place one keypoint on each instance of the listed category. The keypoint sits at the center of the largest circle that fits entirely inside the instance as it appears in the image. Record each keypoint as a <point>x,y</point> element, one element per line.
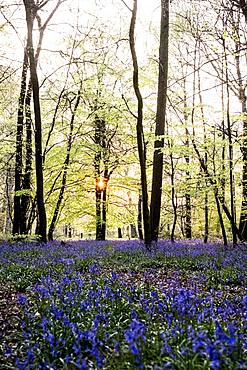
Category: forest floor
<point>114,305</point>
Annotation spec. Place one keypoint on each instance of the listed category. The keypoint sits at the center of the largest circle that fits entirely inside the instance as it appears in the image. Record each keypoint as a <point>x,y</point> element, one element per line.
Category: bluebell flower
<point>8,352</point>
<point>93,269</point>
<point>49,337</point>
<point>114,276</point>
<point>154,294</point>
<point>134,349</point>
<point>22,299</point>
<point>84,365</point>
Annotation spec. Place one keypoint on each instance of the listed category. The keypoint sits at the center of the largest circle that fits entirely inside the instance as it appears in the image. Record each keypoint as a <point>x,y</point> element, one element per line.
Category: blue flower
<point>22,299</point>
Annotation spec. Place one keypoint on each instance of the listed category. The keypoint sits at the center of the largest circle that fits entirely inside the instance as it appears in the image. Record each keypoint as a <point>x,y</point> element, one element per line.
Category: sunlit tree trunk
<point>97,175</point>
<point>102,175</point>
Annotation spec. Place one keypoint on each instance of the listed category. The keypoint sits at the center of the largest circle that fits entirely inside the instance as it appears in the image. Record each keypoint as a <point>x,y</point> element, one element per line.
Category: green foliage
<point>23,238</point>
<point>24,192</point>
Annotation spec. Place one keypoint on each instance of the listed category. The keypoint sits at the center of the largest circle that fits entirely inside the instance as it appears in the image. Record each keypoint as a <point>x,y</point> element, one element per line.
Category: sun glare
<point>101,184</point>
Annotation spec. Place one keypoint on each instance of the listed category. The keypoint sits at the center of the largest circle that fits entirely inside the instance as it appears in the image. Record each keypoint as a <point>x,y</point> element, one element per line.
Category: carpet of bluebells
<point>115,305</point>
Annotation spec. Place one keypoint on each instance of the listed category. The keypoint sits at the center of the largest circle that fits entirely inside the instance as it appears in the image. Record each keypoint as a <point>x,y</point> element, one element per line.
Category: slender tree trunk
<point>188,216</point>
<point>243,216</point>
<point>139,130</point>
<point>98,193</point>
<point>214,184</point>
<point>206,209</point>
<point>104,212</point>
<point>173,196</point>
<point>26,183</point>
<point>97,172</point>
<point>119,233</point>
<point>223,152</point>
<point>65,168</point>
<point>101,183</point>
<point>243,99</point>
<point>105,157</point>
<point>139,216</point>
<point>9,185</point>
<point>19,147</point>
<point>204,166</point>
<point>32,214</point>
<point>220,217</point>
<point>230,148</point>
<point>206,218</point>
<point>30,15</point>
<point>155,206</point>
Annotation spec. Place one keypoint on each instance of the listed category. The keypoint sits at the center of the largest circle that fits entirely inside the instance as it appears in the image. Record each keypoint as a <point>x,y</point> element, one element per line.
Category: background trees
<point>88,110</point>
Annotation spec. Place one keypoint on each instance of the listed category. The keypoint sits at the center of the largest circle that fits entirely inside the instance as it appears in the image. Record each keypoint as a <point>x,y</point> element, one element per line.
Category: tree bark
<point>157,176</point>
<point>188,213</point>
<point>173,194</point>
<point>230,148</point>
<point>31,9</point>
<point>139,130</point>
<point>98,133</point>
<point>206,209</point>
<point>139,216</point>
<point>243,7</point>
<point>26,183</point>
<point>243,99</point>
<point>19,147</point>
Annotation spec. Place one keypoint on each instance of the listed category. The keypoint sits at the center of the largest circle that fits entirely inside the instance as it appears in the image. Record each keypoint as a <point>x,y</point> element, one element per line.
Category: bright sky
<point>112,13</point>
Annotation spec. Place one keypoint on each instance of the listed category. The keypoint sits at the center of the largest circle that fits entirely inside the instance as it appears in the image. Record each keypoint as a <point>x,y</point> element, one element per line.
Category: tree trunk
<point>220,217</point>
<point>30,15</point>
<point>139,130</point>
<point>104,212</point>
<point>242,98</point>
<point>214,184</point>
<point>243,6</point>
<point>155,206</point>
<point>9,185</point>
<point>98,210</point>
<point>139,216</point>
<point>187,226</point>
<point>173,194</point>
<point>206,210</point>
<point>65,168</point>
<point>230,144</point>
<point>19,147</point>
<point>119,233</point>
<point>26,183</point>
<point>97,171</point>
